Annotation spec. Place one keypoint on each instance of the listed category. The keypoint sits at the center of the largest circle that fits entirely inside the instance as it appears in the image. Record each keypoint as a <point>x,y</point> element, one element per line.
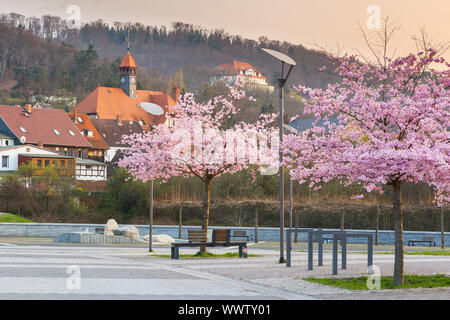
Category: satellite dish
<point>280,56</point>
<point>152,108</point>
<point>23,139</point>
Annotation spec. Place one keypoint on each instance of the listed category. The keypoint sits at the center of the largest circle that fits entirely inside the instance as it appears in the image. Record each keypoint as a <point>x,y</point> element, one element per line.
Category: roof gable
<point>128,62</point>
<point>49,126</point>
<point>112,132</point>
<point>108,103</point>
<point>86,124</point>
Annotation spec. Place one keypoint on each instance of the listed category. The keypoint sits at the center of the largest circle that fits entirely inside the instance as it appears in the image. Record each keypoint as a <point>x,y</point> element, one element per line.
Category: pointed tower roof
<point>128,61</point>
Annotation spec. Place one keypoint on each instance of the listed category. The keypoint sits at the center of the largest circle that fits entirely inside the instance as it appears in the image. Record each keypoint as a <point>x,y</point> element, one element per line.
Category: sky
<point>312,23</point>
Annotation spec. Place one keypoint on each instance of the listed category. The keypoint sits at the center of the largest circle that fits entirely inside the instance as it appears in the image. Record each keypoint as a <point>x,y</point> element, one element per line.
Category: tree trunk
<point>180,222</point>
<point>377,224</point>
<point>398,229</point>
<point>206,207</point>
<point>256,224</point>
<point>343,219</point>
<point>296,227</point>
<point>442,229</point>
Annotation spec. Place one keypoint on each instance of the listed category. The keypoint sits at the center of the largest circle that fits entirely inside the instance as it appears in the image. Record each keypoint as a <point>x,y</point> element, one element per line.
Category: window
<point>23,129</point>
<point>70,163</point>
<point>56,132</point>
<point>54,163</point>
<point>80,119</point>
<point>5,161</point>
<point>63,163</point>
<point>88,133</point>
<point>47,163</point>
<point>71,132</point>
<point>39,163</point>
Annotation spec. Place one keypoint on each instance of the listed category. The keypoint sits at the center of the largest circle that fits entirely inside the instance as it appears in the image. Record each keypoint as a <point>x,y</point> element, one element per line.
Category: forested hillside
<point>47,56</point>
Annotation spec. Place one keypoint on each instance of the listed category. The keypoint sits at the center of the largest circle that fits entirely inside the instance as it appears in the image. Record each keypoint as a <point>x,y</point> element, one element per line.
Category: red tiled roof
<point>128,61</point>
<point>235,67</point>
<point>112,133</point>
<point>108,103</point>
<point>96,141</point>
<point>39,126</point>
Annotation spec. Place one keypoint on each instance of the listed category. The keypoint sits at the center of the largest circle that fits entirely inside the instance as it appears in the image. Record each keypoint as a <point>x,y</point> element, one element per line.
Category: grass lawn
<point>411,281</point>
<point>13,218</point>
<point>421,253</point>
<point>205,255</point>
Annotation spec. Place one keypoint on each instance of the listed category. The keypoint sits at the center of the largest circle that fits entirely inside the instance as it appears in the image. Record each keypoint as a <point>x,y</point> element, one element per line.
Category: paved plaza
<point>42,270</point>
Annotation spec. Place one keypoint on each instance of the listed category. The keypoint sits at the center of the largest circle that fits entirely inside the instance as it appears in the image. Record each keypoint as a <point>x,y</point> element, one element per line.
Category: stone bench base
<point>94,238</point>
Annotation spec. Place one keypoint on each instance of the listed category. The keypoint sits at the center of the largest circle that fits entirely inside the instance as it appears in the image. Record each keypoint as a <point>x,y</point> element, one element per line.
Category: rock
<point>110,224</point>
<point>130,232</point>
<point>160,239</point>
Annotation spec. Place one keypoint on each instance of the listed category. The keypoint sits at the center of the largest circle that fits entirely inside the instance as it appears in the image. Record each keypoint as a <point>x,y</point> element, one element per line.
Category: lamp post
<point>154,110</point>
<point>292,130</point>
<point>281,83</point>
<point>150,226</point>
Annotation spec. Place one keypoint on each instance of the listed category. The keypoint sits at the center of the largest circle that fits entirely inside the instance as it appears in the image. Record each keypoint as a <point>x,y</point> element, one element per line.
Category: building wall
<point>91,172</point>
<point>14,155</point>
<point>111,152</point>
<point>6,142</point>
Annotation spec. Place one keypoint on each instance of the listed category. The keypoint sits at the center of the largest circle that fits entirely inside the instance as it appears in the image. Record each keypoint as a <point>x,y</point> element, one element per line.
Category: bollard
<point>310,250</point>
<point>335,254</point>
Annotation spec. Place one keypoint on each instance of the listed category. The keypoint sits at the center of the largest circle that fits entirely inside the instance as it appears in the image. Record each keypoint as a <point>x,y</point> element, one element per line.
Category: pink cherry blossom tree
<point>392,127</point>
<point>206,140</point>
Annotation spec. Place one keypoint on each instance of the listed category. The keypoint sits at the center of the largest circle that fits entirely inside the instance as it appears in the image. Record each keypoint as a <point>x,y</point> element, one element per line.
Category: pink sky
<point>326,22</point>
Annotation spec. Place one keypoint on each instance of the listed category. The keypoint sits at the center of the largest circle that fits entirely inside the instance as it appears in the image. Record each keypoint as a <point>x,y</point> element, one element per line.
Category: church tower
<point>128,75</point>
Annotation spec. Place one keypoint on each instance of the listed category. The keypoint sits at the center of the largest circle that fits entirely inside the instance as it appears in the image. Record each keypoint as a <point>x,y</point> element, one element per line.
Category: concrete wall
<point>264,234</point>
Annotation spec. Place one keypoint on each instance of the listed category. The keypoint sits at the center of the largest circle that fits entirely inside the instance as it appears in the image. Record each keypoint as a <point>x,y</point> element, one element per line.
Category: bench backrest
<point>196,236</point>
<point>428,238</point>
<point>221,236</point>
<point>239,233</point>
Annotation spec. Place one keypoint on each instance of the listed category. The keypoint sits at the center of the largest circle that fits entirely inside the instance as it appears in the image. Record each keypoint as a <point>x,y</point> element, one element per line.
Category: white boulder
<point>160,239</point>
<point>109,226</point>
<point>127,231</point>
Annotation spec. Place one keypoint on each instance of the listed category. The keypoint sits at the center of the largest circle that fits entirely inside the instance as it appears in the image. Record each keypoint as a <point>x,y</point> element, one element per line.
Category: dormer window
<point>23,129</point>
<point>56,132</point>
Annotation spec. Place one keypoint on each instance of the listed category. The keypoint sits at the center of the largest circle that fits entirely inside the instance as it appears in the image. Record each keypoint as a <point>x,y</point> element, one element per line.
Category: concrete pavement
<point>40,270</point>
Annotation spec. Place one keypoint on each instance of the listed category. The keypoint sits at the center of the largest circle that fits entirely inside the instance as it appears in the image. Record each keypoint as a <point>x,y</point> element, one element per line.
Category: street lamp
<point>154,110</point>
<point>281,82</point>
<point>292,130</point>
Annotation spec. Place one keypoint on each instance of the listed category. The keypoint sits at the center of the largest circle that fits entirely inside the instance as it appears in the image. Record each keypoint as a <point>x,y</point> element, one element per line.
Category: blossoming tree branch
<point>205,141</point>
<point>391,128</point>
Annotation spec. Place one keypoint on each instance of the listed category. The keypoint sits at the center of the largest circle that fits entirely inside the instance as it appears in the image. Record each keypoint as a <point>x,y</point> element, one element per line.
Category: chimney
<point>176,92</point>
<point>119,119</point>
<point>75,115</point>
<point>28,108</point>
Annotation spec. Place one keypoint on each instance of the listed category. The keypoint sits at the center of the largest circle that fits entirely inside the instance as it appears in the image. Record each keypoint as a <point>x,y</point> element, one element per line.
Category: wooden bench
<point>425,239</point>
<point>240,234</point>
<point>198,238</point>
